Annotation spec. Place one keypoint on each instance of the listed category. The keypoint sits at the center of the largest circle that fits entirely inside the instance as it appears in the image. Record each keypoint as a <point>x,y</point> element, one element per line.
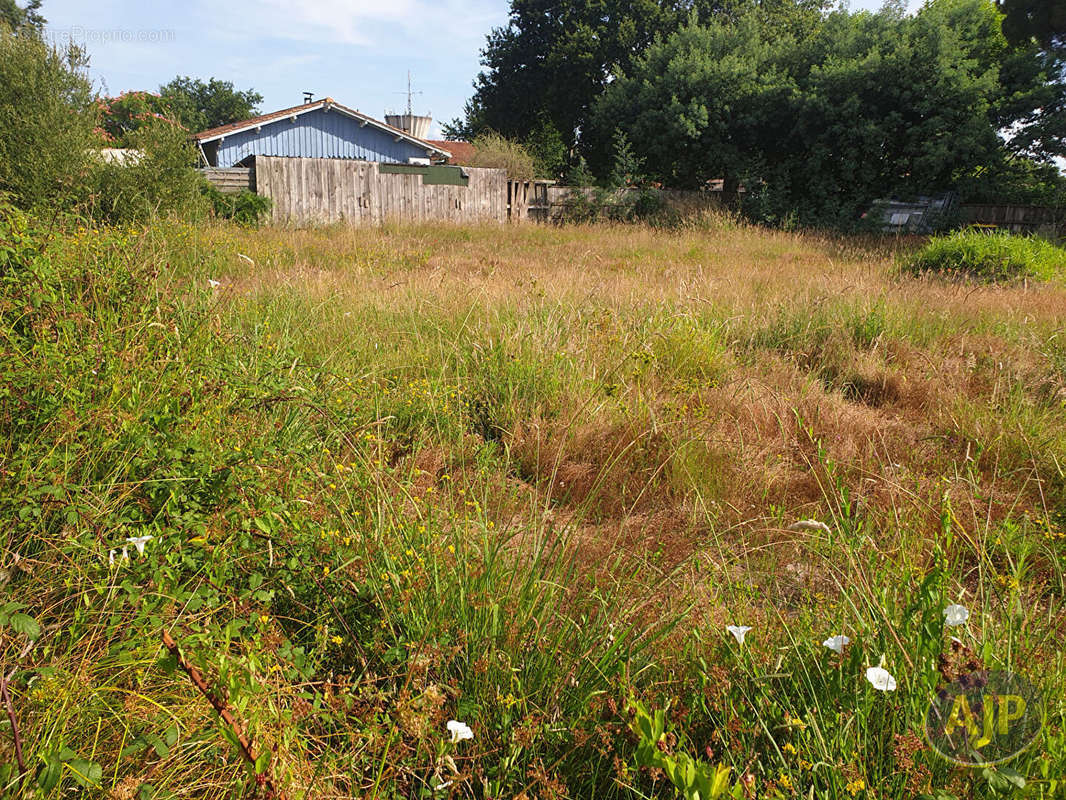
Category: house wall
<point>317,134</point>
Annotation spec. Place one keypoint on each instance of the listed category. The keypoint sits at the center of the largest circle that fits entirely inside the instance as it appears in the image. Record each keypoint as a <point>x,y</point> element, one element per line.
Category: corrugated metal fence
<point>317,191</point>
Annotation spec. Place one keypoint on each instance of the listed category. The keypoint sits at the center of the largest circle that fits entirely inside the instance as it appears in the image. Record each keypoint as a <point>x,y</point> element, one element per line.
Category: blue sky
<point>356,51</point>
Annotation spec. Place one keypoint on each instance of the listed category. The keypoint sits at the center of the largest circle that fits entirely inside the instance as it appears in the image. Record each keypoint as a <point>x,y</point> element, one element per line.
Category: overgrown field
<point>522,478</point>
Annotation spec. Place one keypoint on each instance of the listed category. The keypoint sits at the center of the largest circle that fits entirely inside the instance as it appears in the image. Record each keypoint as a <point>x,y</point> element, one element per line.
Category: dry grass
<point>945,379</point>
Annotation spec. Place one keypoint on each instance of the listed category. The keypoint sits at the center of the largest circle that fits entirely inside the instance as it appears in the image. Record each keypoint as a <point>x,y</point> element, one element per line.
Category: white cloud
<point>334,21</point>
<point>368,23</point>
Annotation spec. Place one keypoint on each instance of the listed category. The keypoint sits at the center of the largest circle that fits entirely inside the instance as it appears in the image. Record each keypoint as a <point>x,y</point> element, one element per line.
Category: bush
<point>161,181</point>
<point>244,208</point>
<point>596,204</point>
<point>495,151</point>
<point>989,256</point>
<point>47,118</point>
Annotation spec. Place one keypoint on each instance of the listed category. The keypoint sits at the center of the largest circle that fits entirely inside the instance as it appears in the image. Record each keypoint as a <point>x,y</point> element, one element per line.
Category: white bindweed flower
<point>139,542</point>
<point>836,643</point>
<point>809,525</point>
<point>881,679</point>
<point>956,615</point>
<point>738,631</point>
<point>459,730</point>
<point>213,284</point>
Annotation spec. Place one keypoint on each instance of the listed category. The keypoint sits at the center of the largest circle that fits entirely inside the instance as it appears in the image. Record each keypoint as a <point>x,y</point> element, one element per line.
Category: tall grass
<point>521,478</point>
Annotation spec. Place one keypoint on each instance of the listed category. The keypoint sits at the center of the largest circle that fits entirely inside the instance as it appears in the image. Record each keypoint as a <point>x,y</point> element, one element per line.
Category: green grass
<point>989,256</point>
<point>394,477</point>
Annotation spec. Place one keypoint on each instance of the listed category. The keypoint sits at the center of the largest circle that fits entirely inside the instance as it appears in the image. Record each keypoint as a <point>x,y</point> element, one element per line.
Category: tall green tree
<point>22,18</point>
<point>695,105</point>
<point>1043,21</point>
<point>555,57</point>
<point>818,123</point>
<point>198,105</point>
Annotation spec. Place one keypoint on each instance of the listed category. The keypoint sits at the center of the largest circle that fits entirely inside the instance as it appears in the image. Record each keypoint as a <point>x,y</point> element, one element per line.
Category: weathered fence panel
<point>1017,219</point>
<point>230,180</point>
<point>319,191</point>
<point>686,201</point>
<point>527,201</point>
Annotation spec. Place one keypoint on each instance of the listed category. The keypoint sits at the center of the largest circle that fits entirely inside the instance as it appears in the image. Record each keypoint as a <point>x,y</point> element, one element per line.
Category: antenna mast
<point>410,95</point>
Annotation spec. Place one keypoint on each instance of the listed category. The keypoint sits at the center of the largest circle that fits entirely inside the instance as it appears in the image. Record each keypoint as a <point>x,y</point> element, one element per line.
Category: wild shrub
<point>161,180</point>
<point>597,204</point>
<point>498,152</point>
<point>47,117</point>
<point>989,257</point>
<point>244,207</point>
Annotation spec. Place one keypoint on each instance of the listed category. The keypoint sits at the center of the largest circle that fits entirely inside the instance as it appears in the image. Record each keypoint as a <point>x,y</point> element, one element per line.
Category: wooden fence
<point>527,201</point>
<point>1016,219</point>
<point>318,191</point>
<point>230,180</point>
<point>687,202</point>
<point>321,191</point>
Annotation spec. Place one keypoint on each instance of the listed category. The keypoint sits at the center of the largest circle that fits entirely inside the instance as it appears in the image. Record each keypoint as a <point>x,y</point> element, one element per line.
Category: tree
<point>628,166</point>
<point>545,144</point>
<point>555,57</point>
<point>22,19</point>
<point>199,106</point>
<point>47,117</point>
<point>820,122</point>
<point>1043,21</point>
<point>122,116</point>
<point>694,104</point>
